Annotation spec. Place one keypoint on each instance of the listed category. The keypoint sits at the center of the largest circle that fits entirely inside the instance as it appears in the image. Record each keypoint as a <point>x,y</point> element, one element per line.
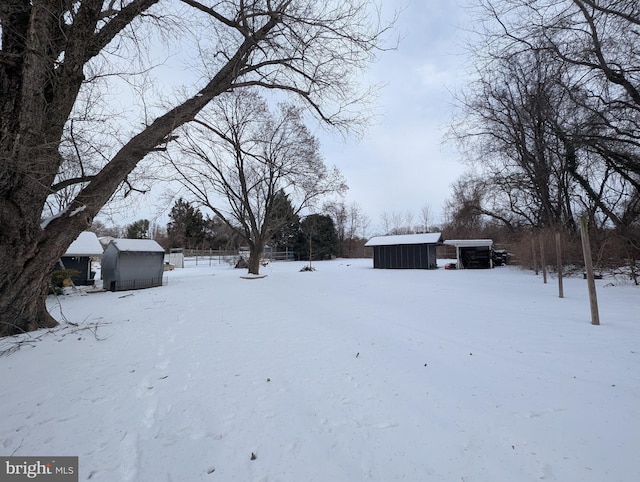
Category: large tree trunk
<point>23,306</point>
<point>255,255</point>
<point>28,254</point>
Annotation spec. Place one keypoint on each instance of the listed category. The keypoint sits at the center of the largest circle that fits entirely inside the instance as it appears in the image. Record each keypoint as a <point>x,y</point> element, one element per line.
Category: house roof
<point>467,243</point>
<point>137,245</point>
<point>86,244</point>
<point>393,240</point>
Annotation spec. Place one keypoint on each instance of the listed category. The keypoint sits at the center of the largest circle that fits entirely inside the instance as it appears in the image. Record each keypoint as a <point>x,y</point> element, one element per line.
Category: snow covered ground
<point>342,374</point>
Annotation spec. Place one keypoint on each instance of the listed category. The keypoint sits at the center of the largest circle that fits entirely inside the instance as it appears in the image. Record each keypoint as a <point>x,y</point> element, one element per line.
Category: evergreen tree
<point>187,226</point>
<point>283,215</point>
<point>219,235</point>
<point>138,230</point>
<point>317,238</point>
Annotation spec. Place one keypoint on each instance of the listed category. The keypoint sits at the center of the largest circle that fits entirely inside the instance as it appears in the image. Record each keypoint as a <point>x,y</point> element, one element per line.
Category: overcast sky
<point>401,164</point>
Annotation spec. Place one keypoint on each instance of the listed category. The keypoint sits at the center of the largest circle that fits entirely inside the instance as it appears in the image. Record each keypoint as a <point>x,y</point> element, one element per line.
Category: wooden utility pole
<point>543,261</point>
<point>588,264</point>
<point>559,265</point>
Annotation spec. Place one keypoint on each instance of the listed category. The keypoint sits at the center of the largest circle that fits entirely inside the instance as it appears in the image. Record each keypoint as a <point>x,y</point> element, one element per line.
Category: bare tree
<point>52,52</point>
<point>553,131</point>
<point>385,222</point>
<point>338,212</point>
<point>462,211</point>
<point>365,222</point>
<point>425,218</point>
<point>102,229</point>
<point>408,222</point>
<point>351,225</point>
<point>238,157</point>
<point>397,223</point>
<point>511,137</point>
<point>356,226</point>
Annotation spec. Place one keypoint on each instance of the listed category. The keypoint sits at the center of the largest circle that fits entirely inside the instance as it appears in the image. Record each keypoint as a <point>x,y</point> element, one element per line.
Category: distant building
<point>472,253</point>
<point>78,258</point>
<point>405,251</point>
<point>131,264</point>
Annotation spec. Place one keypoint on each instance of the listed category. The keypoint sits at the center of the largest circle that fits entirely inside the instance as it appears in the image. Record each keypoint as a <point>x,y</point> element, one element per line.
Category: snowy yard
<point>342,374</point>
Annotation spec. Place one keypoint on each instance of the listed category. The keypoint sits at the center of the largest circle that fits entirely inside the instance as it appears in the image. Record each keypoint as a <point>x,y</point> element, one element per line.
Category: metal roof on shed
<point>399,239</point>
<point>137,245</point>
<point>469,243</point>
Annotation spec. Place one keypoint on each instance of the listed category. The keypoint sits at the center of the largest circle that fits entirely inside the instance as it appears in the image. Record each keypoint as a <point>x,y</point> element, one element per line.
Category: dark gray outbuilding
<point>405,251</point>
<point>78,258</point>
<point>131,264</point>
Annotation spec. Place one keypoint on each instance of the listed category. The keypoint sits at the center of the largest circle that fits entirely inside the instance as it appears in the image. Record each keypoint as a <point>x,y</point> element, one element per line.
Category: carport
<point>472,253</point>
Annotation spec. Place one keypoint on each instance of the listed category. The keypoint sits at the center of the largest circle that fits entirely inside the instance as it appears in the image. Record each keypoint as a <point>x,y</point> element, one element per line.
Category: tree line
<point>336,231</point>
<point>550,124</point>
